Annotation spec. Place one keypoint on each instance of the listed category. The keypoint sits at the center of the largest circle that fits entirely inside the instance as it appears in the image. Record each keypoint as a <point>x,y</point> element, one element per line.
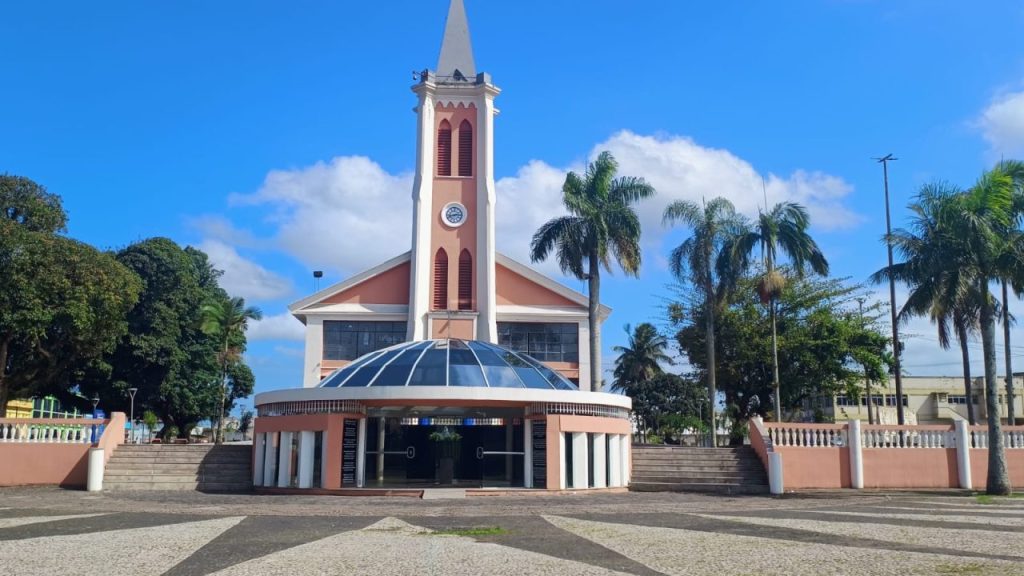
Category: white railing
<point>807,435</point>
<point>877,436</point>
<point>1013,438</point>
<point>51,430</point>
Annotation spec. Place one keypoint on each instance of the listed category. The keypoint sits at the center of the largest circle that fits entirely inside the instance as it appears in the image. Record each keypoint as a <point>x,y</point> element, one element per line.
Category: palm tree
<point>702,258</point>
<point>783,228</point>
<point>641,359</point>
<point>227,320</point>
<point>601,225</point>
<point>1011,273</point>
<point>943,292</point>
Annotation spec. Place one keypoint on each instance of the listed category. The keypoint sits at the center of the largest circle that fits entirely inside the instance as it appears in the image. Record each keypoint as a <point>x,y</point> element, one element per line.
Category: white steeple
<point>456,48</point>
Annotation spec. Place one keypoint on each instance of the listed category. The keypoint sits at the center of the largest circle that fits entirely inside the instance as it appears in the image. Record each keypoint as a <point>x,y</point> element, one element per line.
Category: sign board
<point>349,447</point>
<point>540,453</point>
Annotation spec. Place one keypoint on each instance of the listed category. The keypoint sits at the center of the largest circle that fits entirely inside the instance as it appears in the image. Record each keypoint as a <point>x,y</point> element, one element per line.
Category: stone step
<point>661,465</point>
<point>121,472</point>
<point>180,486</point>
<point>116,463</point>
<point>706,487</point>
<point>699,478</point>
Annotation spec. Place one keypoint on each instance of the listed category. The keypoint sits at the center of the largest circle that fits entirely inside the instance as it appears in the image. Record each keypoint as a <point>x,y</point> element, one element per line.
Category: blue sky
<point>279,136</point>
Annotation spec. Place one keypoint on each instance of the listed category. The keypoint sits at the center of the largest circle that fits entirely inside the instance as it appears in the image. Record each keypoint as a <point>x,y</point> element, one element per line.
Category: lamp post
<point>131,418</point>
<point>95,402</point>
<point>884,161</point>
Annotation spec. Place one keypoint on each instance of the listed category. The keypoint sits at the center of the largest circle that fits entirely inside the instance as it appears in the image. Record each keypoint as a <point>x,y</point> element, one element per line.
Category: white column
<point>528,453</point>
<point>963,454</point>
<point>314,351</point>
<point>580,459</point>
<point>270,458</point>
<point>624,450</point>
<point>487,325</point>
<point>562,472</point>
<point>856,454</point>
<point>615,461</point>
<point>775,479</point>
<point>600,465</point>
<point>584,354</point>
<point>284,472</point>
<point>259,453</point>
<point>360,453</point>
<point>423,211</point>
<point>307,440</point>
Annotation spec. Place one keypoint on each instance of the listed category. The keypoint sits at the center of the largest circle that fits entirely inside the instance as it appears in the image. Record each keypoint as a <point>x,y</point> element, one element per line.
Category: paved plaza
<point>49,531</point>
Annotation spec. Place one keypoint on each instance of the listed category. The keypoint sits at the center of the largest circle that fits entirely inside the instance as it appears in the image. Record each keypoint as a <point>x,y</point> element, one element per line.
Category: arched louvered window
<point>465,148</point>
<point>441,280</point>
<point>444,149</point>
<point>465,281</point>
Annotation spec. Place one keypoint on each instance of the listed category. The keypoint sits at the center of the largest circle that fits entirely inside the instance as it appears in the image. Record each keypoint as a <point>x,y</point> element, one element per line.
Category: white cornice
<point>440,394</point>
<point>298,308</point>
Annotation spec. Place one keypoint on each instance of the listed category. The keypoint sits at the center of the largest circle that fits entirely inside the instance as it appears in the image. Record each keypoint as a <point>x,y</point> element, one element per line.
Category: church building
<point>451,364</point>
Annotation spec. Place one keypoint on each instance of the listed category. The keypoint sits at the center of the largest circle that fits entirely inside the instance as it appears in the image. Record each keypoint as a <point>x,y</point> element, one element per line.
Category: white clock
<point>454,214</point>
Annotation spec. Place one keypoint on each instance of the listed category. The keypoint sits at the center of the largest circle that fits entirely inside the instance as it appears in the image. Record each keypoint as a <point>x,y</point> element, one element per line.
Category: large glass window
<point>350,340</point>
<point>547,342</point>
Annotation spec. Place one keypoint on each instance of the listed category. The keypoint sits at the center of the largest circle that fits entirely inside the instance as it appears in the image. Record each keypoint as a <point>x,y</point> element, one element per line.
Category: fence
<point>54,450</point>
<point>854,455</point>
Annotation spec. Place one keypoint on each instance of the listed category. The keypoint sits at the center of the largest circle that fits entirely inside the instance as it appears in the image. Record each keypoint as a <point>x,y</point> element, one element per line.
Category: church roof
<point>456,48</point>
<point>447,362</point>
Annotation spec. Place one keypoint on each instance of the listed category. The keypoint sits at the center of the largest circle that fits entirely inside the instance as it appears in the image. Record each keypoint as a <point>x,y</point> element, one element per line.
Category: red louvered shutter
<point>465,149</point>
<point>444,149</point>
<point>465,281</point>
<point>441,280</point>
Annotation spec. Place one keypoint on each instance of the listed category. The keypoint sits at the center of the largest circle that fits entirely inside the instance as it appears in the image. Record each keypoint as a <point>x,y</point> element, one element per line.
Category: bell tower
<point>453,254</point>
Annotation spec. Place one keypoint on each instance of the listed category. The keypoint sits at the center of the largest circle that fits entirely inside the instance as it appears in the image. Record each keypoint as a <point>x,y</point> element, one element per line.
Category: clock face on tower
<point>454,214</point>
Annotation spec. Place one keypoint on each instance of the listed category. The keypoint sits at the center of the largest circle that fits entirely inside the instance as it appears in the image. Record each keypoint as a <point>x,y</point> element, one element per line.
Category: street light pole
<point>884,161</point>
<point>131,418</point>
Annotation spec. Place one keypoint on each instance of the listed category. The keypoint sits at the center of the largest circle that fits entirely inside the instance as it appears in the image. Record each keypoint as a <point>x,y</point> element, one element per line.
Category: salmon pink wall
<point>388,287</point>
<point>455,328</point>
<point>979,467</point>
<point>67,465</point>
<point>554,460</point>
<point>332,425</point>
<point>910,468</point>
<point>516,290</point>
<point>815,467</point>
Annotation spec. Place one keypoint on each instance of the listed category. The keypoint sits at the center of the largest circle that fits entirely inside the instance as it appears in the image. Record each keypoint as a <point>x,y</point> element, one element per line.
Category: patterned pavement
<point>47,531</point>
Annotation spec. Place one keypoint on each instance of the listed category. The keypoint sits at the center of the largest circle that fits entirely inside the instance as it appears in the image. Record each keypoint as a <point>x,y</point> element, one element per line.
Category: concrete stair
<point>686,469</point>
<point>205,467</point>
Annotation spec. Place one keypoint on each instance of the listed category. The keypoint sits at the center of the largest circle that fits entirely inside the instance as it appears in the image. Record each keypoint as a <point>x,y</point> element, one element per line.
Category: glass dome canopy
<point>465,363</point>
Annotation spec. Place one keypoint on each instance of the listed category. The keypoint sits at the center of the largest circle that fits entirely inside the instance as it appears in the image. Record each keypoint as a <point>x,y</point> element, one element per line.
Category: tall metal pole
<point>892,296</point>
<point>131,418</point>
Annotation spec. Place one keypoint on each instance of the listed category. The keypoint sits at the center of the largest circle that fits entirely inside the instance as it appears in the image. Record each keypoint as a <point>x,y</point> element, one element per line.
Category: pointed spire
<point>456,49</point>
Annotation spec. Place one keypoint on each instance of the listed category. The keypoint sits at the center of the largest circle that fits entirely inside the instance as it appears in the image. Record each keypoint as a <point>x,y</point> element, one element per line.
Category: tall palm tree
<point>1011,273</point>
<point>601,225</point>
<point>642,357</point>
<point>227,320</point>
<point>707,266</point>
<point>781,229</point>
<point>944,292</point>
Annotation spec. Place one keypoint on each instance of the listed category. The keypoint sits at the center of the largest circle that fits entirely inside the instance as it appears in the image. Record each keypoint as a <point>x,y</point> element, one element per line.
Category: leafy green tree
<point>1012,272</point>
<point>226,320</point>
<point>642,357</point>
<point>245,422</point>
<point>166,355</point>
<point>658,402</point>
<point>62,302</point>
<point>823,344</point>
<point>701,261</point>
<point>781,229</point>
<point>601,225</point>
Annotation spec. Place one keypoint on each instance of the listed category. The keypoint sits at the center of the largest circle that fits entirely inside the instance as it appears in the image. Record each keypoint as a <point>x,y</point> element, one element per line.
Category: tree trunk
<point>867,389</point>
<point>709,307</point>
<point>776,388</point>
<point>998,479</point>
<point>4,386</point>
<point>961,334</point>
<point>1011,419</point>
<point>219,438</point>
<point>594,308</point>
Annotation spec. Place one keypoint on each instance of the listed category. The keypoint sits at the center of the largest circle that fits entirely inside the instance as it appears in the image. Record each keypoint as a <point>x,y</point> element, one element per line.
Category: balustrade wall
<point>54,450</point>
<point>856,455</point>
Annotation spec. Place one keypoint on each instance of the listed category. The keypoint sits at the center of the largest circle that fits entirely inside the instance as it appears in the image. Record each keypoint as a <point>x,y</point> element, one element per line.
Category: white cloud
<point>243,277</point>
<point>350,214</point>
<point>277,327</point>
<point>1002,124</point>
<point>220,228</point>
